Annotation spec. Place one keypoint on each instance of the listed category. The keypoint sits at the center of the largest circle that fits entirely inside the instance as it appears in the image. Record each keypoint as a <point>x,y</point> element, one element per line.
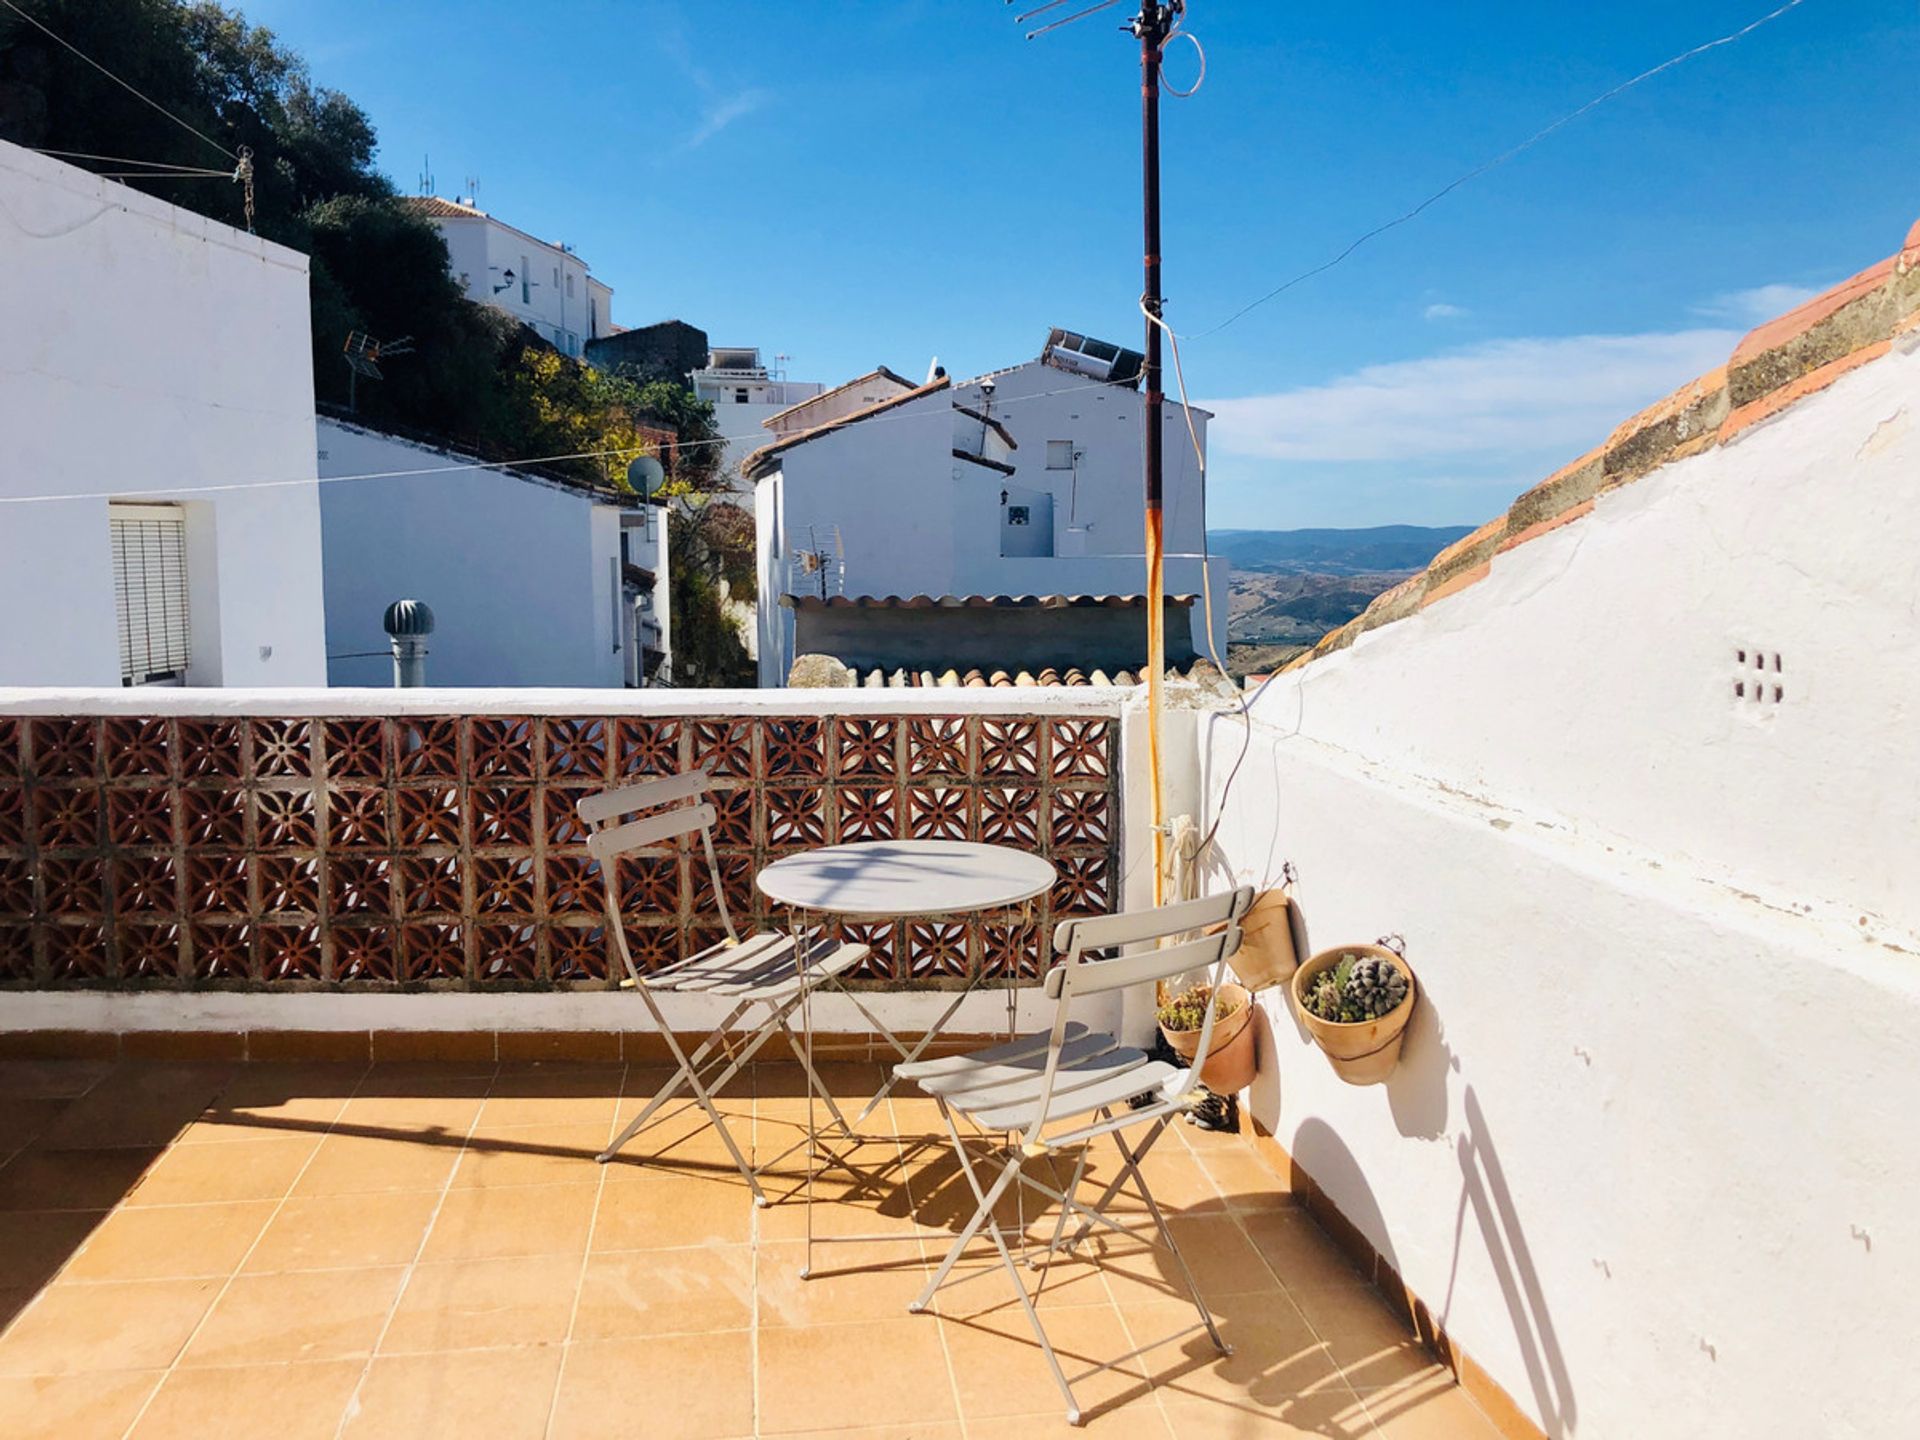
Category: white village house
<point>532,579</point>
<point>540,282</point>
<point>1024,482</point>
<point>118,565</point>
<point>745,395</point>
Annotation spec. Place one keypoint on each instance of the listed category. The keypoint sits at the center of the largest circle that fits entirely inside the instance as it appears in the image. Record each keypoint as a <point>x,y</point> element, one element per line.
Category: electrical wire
<point>124,85</point>
<point>129,160</point>
<point>1502,158</point>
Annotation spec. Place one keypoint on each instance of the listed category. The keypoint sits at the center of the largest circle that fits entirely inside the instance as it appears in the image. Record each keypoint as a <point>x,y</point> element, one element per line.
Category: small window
<point>150,592</point>
<point>526,281</point>
<point>740,396</point>
<point>569,284</point>
<point>1059,454</point>
<point>1019,515</point>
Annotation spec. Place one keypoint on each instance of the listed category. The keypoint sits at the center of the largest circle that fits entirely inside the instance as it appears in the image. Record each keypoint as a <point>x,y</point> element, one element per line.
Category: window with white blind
<point>150,592</point>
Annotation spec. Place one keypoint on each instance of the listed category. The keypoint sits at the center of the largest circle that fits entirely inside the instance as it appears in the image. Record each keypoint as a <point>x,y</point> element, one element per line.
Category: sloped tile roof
<point>1785,360</point>
<point>754,465</point>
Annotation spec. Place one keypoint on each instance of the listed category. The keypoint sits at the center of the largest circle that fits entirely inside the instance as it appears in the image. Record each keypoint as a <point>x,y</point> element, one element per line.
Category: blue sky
<point>862,183</point>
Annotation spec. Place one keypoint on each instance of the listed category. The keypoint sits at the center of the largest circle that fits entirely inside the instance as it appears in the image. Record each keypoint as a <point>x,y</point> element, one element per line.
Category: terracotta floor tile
<point>34,1244</point>
<point>286,1402</point>
<point>50,1079</point>
<point>882,1372</point>
<point>499,1394</point>
<point>979,1284</point>
<point>552,1098</point>
<point>404,1117</point>
<point>863,1281</point>
<point>658,1292</point>
<point>1333,1413</point>
<point>683,1387</point>
<point>1223,1262</point>
<point>672,1211</point>
<point>42,1179</point>
<point>1299,1251</point>
<point>1000,1370</point>
<point>206,1174</point>
<point>311,1315</point>
<point>87,1329</point>
<point>1275,1353</point>
<point>23,1119</point>
<point>529,1220</point>
<point>1244,1180</point>
<point>1138,1419</point>
<point>1432,1410</point>
<point>532,1155</point>
<point>170,1240</point>
<point>68,1407</point>
<point>483,1304</point>
<point>1366,1339</point>
<point>363,1165</point>
<point>889,1432</point>
<point>344,1232</point>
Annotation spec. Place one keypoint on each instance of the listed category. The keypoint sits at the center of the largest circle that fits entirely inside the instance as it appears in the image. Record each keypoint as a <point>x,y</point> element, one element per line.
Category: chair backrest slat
<point>1095,977</point>
<point>1098,932</point>
<point>608,804</point>
<point>618,839</point>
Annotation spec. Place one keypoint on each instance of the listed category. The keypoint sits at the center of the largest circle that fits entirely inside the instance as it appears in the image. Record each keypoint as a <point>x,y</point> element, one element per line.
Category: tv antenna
<point>426,175</point>
<point>473,191</point>
<point>829,565</point>
<point>1155,26</point>
<point>363,355</point>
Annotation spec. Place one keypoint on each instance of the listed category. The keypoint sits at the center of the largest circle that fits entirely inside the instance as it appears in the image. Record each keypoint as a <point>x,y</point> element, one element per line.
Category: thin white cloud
<point>723,112</point>
<point>1505,398</point>
<point>1758,305</point>
<point>1441,310</point>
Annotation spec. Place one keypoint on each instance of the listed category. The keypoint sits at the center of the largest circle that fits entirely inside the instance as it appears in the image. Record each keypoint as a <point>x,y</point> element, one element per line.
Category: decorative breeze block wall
<point>443,851</point>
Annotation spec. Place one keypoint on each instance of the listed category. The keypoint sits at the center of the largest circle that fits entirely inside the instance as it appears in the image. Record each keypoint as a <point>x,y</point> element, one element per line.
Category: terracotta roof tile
<point>1776,364</point>
<point>751,466</point>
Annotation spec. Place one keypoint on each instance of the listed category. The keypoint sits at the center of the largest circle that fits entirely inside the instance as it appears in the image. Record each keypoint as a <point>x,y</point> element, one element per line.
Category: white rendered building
<point>745,395</point>
<point>531,580</point>
<point>131,551</point>
<point>540,282</point>
<point>1021,482</point>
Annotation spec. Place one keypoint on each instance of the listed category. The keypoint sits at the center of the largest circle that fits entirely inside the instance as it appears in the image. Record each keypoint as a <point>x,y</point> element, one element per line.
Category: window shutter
<point>150,591</point>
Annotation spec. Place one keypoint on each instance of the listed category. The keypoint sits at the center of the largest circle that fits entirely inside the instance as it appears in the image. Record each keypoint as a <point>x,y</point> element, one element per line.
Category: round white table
<point>878,880</point>
<point>893,879</point>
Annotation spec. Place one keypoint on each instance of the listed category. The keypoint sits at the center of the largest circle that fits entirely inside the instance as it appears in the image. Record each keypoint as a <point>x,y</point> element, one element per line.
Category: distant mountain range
<point>1290,587</point>
<point>1335,552</point>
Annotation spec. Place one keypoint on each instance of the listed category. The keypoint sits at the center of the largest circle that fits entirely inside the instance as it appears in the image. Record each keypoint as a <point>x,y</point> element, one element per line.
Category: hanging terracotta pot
<point>1229,1065</point>
<point>1362,1053</point>
<point>1266,955</point>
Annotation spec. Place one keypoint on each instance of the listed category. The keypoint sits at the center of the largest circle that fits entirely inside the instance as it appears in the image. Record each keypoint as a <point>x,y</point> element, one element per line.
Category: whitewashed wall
<point>481,250</point>
<point>915,520</point>
<point>189,365</point>
<point>519,571</point>
<point>1650,1153</point>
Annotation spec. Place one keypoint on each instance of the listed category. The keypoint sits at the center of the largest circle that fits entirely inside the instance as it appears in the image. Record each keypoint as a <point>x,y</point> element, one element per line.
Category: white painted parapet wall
<point>1650,1155</point>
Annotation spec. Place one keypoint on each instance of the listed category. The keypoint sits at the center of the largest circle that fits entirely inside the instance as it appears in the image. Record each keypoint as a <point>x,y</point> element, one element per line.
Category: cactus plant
<point>1187,1011</point>
<point>1356,989</point>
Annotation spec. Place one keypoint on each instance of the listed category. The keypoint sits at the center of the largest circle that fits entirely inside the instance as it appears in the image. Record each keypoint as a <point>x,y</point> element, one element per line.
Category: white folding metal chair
<point>1060,1089</point>
<point>768,972</point>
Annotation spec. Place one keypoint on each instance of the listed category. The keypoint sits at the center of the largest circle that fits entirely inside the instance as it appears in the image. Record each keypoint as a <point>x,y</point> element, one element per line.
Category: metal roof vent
<point>409,622</point>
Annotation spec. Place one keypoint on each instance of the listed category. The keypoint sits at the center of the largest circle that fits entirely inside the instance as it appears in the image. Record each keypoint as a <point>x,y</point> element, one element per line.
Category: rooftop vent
<point>1095,359</point>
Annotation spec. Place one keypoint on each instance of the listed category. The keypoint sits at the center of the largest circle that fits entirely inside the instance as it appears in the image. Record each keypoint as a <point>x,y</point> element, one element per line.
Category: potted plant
<point>1230,1054</point>
<point>1266,955</point>
<point>1356,1001</point>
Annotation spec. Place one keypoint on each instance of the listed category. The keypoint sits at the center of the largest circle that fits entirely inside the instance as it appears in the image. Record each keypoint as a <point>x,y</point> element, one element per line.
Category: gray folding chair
<point>766,972</point>
<point>1060,1089</point>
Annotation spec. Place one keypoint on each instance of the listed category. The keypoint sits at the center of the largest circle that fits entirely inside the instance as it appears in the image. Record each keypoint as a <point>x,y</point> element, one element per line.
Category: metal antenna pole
<point>1151,26</point>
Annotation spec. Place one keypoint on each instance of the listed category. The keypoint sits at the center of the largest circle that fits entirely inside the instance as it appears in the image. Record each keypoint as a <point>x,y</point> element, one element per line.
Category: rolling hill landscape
<point>1290,587</point>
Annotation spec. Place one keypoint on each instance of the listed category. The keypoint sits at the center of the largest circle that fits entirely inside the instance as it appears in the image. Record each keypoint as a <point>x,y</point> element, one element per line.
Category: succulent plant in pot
<point>1355,1001</point>
<point>1229,1061</point>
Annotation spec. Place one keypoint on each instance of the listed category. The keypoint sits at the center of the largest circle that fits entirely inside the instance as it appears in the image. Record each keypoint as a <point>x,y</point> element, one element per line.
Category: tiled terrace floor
<point>216,1251</point>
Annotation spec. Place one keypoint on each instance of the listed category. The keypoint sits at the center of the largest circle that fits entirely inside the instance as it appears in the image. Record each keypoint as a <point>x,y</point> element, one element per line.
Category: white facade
<point>536,281</point>
<point>1046,500</point>
<point>745,395</point>
<point>190,368</point>
<point>527,577</point>
<point>1650,1152</point>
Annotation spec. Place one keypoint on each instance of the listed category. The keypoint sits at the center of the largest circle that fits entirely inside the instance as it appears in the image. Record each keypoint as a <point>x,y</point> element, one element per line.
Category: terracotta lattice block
<point>937,745</point>
<point>577,953</point>
<point>653,946</point>
<point>796,815</point>
<point>647,747</point>
<point>16,952</point>
<point>1011,948</point>
<point>434,952</point>
<point>10,762</point>
<point>16,887</point>
<point>577,751</point>
<point>794,747</point>
<point>502,746</point>
<point>1081,817</point>
<point>290,952</point>
<point>736,877</point>
<point>360,885</point>
<point>138,746</point>
<point>67,817</point>
<point>74,887</point>
<point>356,749</point>
<point>139,817</point>
<point>148,883</point>
<point>650,885</point>
<point>222,952</point>
<point>211,749</point>
<point>723,747</point>
<point>508,952</point>
<point>13,816</point>
<point>867,812</point>
<point>77,952</point>
<point>282,748</point>
<point>501,815</point>
<point>357,820</point>
<point>366,955</point>
<point>937,950</point>
<point>64,749</point>
<point>150,952</point>
<point>285,819</point>
<point>503,885</point>
<point>431,885</point>
<point>1011,748</point>
<point>733,823</point>
<point>865,746</point>
<point>428,815</point>
<point>941,812</point>
<point>216,883</point>
<point>214,817</point>
<point>573,885</point>
<point>882,940</point>
<point>1010,815</point>
<point>427,748</point>
<point>1081,749</point>
<point>563,828</point>
<point>1082,888</point>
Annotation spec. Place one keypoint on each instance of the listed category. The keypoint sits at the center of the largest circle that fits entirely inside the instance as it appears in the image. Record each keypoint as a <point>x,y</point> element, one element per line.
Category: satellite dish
<point>646,475</point>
